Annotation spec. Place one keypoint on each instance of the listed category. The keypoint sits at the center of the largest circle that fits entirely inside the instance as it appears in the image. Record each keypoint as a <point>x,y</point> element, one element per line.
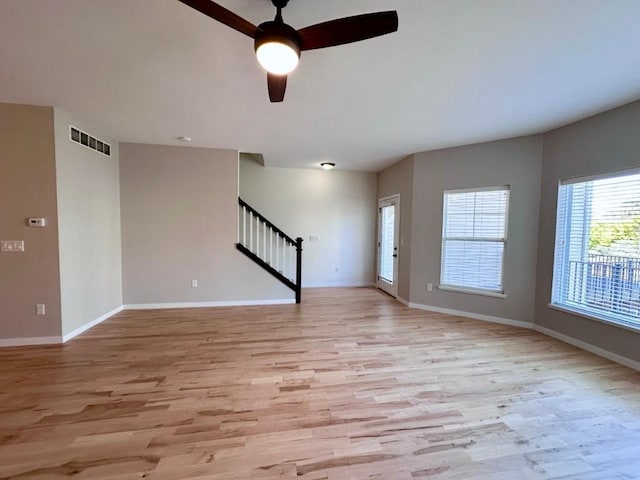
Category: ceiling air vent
<point>78,136</point>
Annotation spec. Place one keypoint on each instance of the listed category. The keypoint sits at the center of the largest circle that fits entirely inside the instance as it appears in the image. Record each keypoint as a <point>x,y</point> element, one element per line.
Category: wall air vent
<point>78,136</point>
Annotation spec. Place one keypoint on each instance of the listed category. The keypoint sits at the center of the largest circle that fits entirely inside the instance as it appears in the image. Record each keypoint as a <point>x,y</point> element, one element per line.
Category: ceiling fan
<point>278,45</point>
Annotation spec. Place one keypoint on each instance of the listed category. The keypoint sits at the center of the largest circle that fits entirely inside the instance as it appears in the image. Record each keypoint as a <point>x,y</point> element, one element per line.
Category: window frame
<point>557,290</point>
<point>504,240</point>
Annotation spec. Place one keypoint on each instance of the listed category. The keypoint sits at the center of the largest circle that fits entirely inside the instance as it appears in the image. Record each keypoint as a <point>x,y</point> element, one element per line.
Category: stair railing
<point>270,247</point>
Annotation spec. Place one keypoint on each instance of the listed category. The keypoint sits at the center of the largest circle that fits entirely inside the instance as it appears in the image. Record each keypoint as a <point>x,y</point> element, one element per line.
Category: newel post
<point>298,270</point>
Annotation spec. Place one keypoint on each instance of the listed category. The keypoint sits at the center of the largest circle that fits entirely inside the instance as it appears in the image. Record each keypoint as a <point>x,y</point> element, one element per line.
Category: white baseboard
<point>93,323</point>
<point>16,342</point>
<point>403,301</point>
<point>238,303</point>
<point>21,342</point>
<point>475,316</point>
<point>614,357</point>
<point>338,284</point>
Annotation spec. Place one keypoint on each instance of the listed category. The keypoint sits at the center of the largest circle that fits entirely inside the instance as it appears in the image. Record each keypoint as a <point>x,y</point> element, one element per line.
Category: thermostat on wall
<point>37,222</point>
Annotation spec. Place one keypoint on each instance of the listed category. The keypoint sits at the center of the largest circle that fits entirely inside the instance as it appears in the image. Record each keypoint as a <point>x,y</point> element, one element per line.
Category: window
<point>474,233</point>
<point>597,251</point>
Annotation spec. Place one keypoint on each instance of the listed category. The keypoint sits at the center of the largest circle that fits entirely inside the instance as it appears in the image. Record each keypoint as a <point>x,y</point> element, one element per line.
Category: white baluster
<point>244,225</point>
<point>258,242</point>
<point>251,231</point>
<point>291,262</point>
<point>285,259</point>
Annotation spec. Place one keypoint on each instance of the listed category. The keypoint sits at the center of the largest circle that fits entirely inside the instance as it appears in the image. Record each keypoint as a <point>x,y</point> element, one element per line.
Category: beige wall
<point>398,179</point>
<point>179,223</point>
<point>336,206</point>
<point>89,226</point>
<point>28,189</point>
<point>515,162</point>
<point>604,143</point>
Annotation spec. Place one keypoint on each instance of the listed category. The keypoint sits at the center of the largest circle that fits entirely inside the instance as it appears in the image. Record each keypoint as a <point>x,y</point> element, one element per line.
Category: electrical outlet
<point>40,310</point>
<point>429,287</point>
<point>194,283</point>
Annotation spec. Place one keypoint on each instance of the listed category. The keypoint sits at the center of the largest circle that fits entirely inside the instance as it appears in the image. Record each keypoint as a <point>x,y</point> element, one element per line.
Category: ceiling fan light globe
<point>277,58</point>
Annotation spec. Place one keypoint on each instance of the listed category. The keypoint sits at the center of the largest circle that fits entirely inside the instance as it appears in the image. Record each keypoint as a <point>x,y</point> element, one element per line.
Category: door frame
<point>382,284</point>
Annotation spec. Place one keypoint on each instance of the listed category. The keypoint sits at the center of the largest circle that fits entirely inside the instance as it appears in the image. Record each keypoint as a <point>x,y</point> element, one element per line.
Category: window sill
<point>589,316</point>
<point>484,293</point>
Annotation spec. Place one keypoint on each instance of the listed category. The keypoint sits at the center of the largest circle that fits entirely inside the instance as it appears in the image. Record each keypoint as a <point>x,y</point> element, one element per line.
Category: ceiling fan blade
<point>348,30</point>
<point>221,14</point>
<point>277,85</point>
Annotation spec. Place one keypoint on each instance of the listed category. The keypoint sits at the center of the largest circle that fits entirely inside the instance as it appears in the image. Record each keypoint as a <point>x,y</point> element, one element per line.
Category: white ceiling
<point>456,72</point>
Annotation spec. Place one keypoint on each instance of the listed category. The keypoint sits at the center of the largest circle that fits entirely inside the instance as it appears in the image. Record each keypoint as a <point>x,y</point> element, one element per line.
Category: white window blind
<point>474,233</point>
<point>597,249</point>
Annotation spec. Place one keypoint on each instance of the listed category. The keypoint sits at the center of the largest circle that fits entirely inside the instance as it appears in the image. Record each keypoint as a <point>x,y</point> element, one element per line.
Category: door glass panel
<point>387,225</point>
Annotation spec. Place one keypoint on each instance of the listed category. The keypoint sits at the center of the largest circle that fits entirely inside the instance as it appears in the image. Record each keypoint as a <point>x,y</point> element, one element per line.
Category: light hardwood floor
<point>348,385</point>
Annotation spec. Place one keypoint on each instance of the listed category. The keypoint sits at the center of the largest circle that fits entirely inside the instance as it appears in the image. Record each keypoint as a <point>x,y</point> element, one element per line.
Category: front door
<point>388,233</point>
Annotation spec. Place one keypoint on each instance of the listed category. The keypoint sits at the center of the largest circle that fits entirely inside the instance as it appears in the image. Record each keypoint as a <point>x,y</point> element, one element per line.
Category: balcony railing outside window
<point>606,283</point>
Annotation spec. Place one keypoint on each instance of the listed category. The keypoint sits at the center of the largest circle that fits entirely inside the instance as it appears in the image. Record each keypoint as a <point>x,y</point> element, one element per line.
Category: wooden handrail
<point>264,220</point>
<point>265,261</point>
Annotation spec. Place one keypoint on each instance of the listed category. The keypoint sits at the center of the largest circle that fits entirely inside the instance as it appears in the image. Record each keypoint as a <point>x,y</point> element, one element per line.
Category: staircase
<point>270,247</point>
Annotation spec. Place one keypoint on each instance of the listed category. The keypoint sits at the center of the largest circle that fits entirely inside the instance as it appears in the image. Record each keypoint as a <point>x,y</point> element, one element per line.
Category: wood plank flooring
<point>348,385</point>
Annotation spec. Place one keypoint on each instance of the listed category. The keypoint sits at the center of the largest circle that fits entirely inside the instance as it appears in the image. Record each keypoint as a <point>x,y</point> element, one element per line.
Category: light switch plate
<point>12,245</point>
<point>37,222</point>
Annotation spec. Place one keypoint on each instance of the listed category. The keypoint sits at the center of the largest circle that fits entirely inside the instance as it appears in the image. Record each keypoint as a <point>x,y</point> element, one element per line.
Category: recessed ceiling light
<point>328,165</point>
<point>184,139</point>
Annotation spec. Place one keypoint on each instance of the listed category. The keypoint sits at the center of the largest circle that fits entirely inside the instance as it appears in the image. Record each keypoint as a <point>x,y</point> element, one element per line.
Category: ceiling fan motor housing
<point>280,33</point>
<point>280,3</point>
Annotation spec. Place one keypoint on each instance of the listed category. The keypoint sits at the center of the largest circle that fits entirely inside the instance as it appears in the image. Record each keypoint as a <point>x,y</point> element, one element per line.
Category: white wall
<point>336,206</point>
<point>179,223</point>
<point>88,193</point>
